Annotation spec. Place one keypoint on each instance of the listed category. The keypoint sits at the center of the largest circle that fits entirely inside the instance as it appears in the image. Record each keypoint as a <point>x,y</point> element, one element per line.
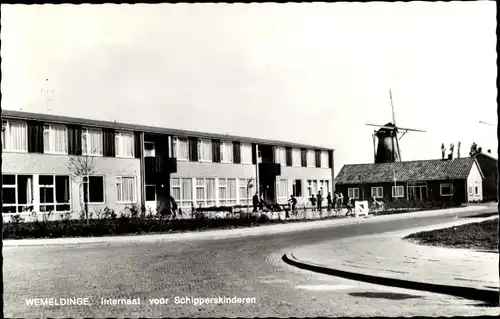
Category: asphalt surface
<point>242,267</point>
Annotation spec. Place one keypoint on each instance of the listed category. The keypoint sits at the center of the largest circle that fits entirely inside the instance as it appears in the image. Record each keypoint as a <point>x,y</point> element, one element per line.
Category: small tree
<point>458,149</point>
<point>80,168</point>
<point>474,149</point>
<point>452,147</point>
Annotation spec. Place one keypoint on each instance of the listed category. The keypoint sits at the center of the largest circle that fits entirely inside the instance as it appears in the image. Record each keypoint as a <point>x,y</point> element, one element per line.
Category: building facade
<point>489,168</point>
<point>457,180</point>
<point>51,163</point>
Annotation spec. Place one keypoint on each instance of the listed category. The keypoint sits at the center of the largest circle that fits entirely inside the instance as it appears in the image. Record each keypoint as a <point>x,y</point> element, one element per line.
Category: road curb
<point>486,295</point>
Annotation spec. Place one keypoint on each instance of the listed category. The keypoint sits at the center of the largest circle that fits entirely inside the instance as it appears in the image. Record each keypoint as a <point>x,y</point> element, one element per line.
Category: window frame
<point>54,187</point>
<point>245,161</point>
<point>378,188</point>
<point>181,202</point>
<point>443,185</point>
<point>224,147</point>
<point>85,146</point>
<point>311,158</point>
<point>121,177</point>
<point>6,145</point>
<point>17,206</point>
<point>176,141</point>
<point>351,191</point>
<point>394,191</point>
<point>202,144</point>
<point>118,140</point>
<point>297,191</point>
<point>296,154</point>
<point>324,159</point>
<point>228,200</point>
<point>88,188</point>
<point>146,152</point>
<point>49,129</point>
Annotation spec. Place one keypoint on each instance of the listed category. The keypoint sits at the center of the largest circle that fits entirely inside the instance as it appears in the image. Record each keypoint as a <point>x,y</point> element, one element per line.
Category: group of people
<point>336,202</point>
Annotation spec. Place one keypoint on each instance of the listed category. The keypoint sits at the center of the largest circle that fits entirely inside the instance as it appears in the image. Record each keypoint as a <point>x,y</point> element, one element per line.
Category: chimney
<point>479,149</point>
<point>450,156</point>
<point>489,151</point>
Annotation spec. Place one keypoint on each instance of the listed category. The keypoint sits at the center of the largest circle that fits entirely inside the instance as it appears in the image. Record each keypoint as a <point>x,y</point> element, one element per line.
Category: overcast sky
<point>310,73</point>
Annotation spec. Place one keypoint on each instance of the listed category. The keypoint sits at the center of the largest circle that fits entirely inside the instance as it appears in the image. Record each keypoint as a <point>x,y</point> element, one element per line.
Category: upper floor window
<point>149,149</point>
<point>55,139</point>
<point>280,155</point>
<point>204,150</point>
<point>324,159</point>
<point>14,136</point>
<point>180,147</point>
<point>296,159</point>
<point>124,144</point>
<point>311,158</point>
<point>246,153</point>
<point>227,152</point>
<point>92,141</point>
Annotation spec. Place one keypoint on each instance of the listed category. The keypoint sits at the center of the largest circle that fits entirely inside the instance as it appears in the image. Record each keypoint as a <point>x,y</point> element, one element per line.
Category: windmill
<point>388,150</point>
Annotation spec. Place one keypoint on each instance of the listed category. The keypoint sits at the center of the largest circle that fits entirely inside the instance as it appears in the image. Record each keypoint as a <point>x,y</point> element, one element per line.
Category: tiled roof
<point>425,170</point>
<point>8,114</point>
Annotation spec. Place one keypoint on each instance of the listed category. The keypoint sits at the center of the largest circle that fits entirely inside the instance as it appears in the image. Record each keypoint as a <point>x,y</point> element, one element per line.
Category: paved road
<point>242,267</point>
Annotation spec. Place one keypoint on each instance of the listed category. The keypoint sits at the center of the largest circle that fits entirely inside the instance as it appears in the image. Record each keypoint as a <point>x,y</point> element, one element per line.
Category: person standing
<point>329,201</point>
<point>293,202</point>
<point>313,202</point>
<point>255,202</point>
<point>320,200</point>
<point>335,201</point>
<point>349,206</point>
<point>341,201</point>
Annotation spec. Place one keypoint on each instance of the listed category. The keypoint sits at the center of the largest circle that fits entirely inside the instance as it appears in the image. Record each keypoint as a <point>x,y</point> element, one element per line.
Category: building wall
<point>214,170</point>
<point>489,169</point>
<point>35,164</point>
<point>474,185</point>
<point>291,174</point>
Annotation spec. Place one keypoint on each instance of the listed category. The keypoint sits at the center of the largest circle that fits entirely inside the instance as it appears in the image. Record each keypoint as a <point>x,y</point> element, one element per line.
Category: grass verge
<point>478,236</point>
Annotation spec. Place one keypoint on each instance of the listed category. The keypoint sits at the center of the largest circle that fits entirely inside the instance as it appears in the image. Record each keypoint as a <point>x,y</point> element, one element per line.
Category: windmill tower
<point>387,150</point>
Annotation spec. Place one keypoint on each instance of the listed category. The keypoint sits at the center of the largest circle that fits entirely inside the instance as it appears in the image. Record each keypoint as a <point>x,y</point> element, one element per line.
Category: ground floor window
<point>282,188</point>
<point>227,191</point>
<point>477,190</point>
<point>182,191</point>
<point>17,193</point>
<point>297,188</point>
<point>353,193</point>
<point>94,188</point>
<point>205,192</point>
<point>398,191</point>
<point>471,190</point>
<point>54,193</point>
<point>245,192</point>
<point>150,193</point>
<point>125,189</point>
<point>446,189</point>
<point>417,191</point>
<point>378,192</point>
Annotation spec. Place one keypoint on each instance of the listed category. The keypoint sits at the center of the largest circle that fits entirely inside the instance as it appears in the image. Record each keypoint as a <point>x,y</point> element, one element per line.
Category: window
<point>471,190</point>
<point>245,198</point>
<point>353,193</point>
<point>125,189</point>
<point>446,189</point>
<point>311,158</point>
<point>296,160</point>
<point>227,192</point>
<point>17,193</point>
<point>417,191</point>
<point>150,193</point>
<point>182,191</point>
<point>204,150</point>
<point>246,153</point>
<point>327,186</point>
<point>55,139</point>
<point>309,188</point>
<point>124,144</point>
<point>477,190</point>
<point>378,192</point>
<point>205,192</point>
<point>15,136</point>
<point>297,187</point>
<point>181,148</point>
<point>149,149</point>
<point>324,159</point>
<point>315,187</point>
<point>280,155</point>
<point>94,186</point>
<point>91,142</point>
<point>398,191</point>
<point>54,193</point>
<point>226,152</point>
<point>282,188</point>
<point>322,187</point>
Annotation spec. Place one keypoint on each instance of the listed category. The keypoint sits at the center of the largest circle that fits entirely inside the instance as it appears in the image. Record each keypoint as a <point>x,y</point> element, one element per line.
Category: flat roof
<point>21,115</point>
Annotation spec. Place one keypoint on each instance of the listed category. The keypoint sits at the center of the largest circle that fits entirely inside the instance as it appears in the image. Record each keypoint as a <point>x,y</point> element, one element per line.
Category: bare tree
<point>80,168</point>
<point>473,149</point>
<point>452,147</point>
<point>458,149</point>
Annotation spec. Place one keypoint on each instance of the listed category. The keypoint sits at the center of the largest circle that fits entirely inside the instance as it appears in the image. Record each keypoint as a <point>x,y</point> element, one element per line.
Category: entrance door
<point>150,202</point>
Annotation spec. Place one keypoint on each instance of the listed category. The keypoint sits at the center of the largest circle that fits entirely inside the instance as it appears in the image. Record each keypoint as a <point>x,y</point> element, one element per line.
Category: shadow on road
<point>383,295</point>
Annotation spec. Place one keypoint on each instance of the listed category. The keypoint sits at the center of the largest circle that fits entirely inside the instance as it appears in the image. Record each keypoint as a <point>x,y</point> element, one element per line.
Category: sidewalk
<point>237,232</point>
<point>387,259</point>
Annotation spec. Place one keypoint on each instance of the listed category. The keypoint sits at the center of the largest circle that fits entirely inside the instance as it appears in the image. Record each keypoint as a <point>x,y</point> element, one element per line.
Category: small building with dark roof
<point>457,180</point>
